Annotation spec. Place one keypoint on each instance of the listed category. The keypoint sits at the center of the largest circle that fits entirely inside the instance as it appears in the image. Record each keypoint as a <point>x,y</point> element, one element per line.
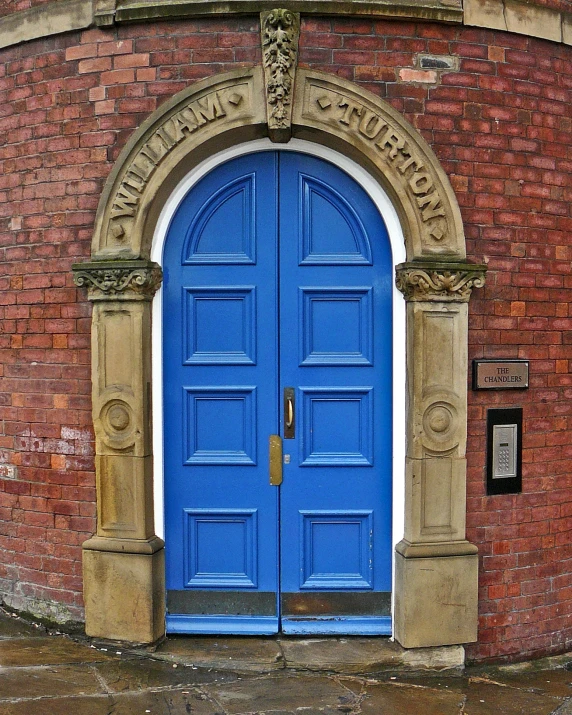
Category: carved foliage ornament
<point>280,32</point>
<point>439,282</point>
<point>109,279</point>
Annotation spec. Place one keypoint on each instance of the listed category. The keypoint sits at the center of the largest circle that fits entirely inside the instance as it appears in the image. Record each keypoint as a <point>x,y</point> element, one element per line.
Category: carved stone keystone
<point>280,31</point>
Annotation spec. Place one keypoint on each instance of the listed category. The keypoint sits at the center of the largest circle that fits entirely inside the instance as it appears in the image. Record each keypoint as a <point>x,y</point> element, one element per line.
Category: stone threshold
<point>341,655</point>
<point>351,655</point>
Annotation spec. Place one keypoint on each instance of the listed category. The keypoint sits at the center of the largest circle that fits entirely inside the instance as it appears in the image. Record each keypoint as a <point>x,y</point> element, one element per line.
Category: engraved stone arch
<point>123,562</point>
<point>230,108</point>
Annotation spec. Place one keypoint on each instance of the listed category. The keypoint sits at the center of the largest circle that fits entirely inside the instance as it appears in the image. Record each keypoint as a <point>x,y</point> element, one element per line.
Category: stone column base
<point>124,595</point>
<point>435,600</point>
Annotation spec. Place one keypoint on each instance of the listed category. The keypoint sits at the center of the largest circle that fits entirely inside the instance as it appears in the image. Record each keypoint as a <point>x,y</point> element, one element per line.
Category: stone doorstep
<point>349,655</point>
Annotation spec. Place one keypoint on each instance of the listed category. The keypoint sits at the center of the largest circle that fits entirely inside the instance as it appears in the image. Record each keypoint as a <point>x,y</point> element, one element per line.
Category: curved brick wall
<point>7,7</point>
<point>500,124</point>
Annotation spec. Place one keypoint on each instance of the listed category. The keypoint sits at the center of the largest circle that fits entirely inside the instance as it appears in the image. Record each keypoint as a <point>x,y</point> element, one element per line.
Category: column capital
<point>441,281</point>
<point>118,279</point>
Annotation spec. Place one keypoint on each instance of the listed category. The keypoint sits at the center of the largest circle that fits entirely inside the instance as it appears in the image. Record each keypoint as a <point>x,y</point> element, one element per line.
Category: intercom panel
<point>504,451</point>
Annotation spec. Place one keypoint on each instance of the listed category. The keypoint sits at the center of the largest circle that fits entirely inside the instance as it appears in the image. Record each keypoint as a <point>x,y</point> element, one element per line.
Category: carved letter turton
<point>407,167</point>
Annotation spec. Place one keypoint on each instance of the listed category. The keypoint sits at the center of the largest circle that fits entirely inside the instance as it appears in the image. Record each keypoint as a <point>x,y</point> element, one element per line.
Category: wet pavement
<point>43,672</point>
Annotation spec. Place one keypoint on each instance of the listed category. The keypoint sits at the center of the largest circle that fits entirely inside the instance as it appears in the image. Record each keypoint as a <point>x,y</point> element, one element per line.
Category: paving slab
<point>365,655</point>
<point>11,627</point>
<point>171,702</point>
<point>485,699</point>
<point>482,696</point>
<point>53,680</point>
<point>259,655</point>
<point>49,650</point>
<point>133,674</point>
<point>287,693</point>
<point>407,699</point>
<point>557,683</point>
<point>341,655</point>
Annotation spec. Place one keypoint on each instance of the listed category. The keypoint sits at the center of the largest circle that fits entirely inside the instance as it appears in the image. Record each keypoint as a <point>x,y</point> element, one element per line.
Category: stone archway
<point>123,562</point>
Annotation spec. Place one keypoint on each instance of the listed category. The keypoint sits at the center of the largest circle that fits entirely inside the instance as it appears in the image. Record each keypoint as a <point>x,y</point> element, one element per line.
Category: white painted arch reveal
<point>395,232</point>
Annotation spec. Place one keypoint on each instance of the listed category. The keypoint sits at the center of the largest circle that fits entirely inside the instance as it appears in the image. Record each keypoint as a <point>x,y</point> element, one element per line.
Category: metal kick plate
<point>275,452</point>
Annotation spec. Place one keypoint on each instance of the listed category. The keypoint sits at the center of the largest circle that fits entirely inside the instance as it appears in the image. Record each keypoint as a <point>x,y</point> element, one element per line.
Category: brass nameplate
<point>500,374</point>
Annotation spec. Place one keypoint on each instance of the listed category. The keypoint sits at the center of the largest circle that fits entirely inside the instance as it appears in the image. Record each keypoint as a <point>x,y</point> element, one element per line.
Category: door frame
<point>397,242</point>
<point>124,561</point>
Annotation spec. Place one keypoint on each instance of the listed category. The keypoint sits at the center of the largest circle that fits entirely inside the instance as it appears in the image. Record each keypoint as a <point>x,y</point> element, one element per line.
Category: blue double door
<point>277,402</point>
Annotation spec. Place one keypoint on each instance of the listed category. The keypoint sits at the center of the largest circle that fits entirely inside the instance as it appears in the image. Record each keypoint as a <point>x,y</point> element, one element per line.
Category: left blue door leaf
<point>221,402</point>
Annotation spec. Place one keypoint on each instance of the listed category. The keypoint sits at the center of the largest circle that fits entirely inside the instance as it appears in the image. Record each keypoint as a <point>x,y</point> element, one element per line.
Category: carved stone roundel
<point>118,417</point>
<point>117,422</point>
<point>440,422</point>
<point>439,419</point>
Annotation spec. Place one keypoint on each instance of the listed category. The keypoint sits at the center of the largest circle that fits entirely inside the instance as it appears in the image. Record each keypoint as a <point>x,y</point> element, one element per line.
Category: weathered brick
<point>94,65</point>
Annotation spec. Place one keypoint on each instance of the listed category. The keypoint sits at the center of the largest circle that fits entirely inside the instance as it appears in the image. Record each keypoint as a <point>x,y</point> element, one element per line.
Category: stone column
<point>123,564</point>
<point>436,567</point>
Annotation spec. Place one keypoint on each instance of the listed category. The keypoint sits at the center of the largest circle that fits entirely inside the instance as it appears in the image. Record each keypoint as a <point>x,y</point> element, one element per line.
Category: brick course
<point>500,125</point>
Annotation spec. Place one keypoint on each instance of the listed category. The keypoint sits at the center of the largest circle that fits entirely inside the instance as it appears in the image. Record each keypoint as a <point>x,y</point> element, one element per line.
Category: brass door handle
<point>289,413</point>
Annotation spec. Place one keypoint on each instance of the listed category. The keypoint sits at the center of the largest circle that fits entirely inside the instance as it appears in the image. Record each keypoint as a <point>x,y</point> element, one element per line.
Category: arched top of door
<point>231,108</point>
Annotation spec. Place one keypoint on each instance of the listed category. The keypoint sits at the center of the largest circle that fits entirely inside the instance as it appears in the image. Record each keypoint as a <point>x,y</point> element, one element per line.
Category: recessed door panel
<point>233,310</point>
<point>277,315</point>
<point>221,548</point>
<point>223,229</point>
<point>323,311</point>
<point>331,230</point>
<point>350,564</point>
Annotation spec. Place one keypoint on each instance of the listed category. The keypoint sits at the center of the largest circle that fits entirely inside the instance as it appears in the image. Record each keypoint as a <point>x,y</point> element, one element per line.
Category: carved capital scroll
<point>118,280</point>
<point>443,282</point>
<point>280,31</point>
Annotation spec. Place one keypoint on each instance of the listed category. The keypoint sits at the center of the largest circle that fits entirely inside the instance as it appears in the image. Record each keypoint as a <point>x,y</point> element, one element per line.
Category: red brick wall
<point>500,126</point>
<point>7,7</point>
<point>67,106</point>
<point>502,129</point>
<point>46,443</point>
